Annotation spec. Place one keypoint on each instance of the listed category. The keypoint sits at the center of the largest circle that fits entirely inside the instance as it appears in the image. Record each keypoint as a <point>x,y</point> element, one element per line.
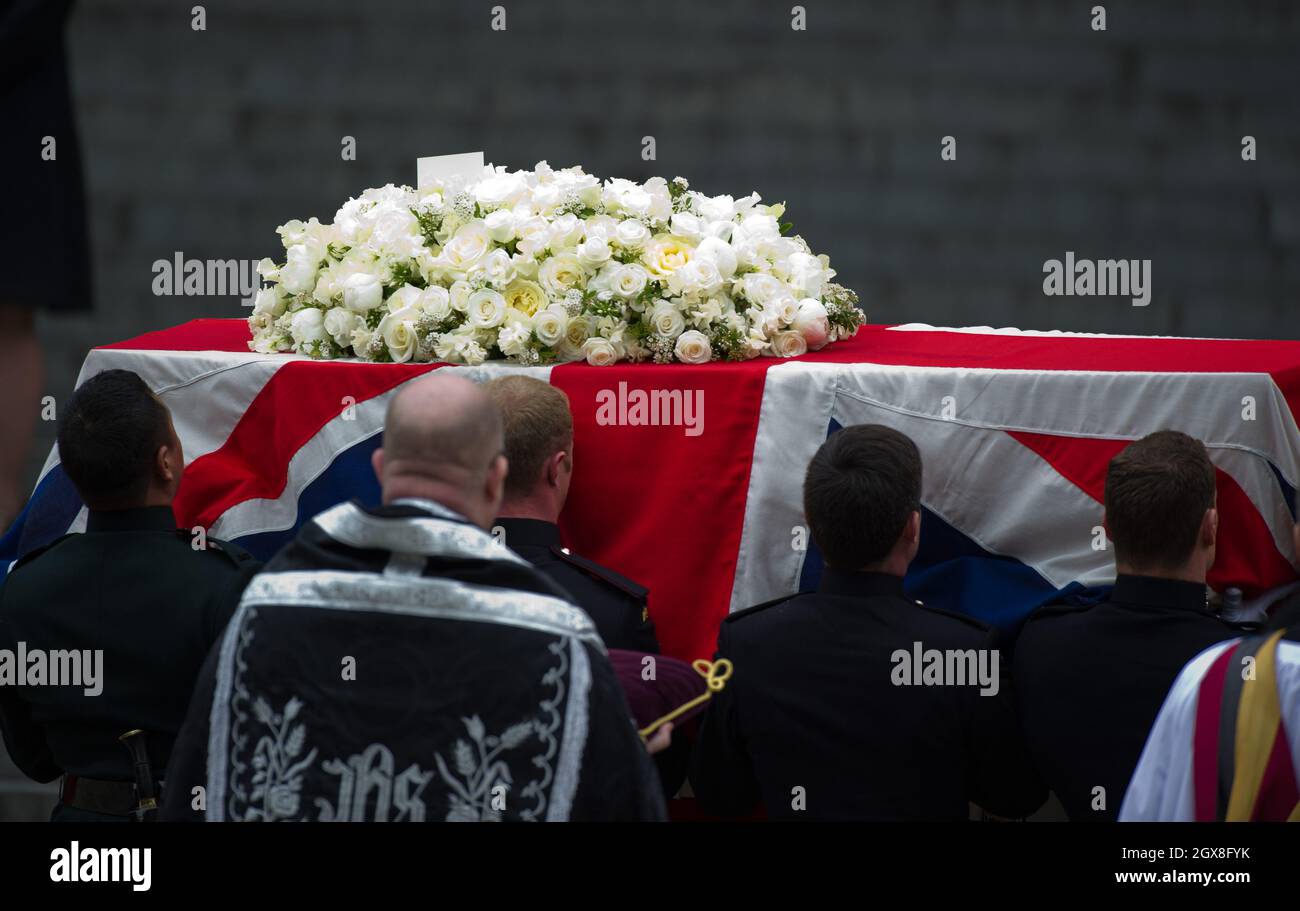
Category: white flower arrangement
<point>548,266</point>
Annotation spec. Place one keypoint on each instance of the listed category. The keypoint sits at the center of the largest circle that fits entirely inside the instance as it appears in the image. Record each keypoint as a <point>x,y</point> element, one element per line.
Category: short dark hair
<point>538,424</point>
<point>1157,491</point>
<point>861,487</point>
<point>108,435</point>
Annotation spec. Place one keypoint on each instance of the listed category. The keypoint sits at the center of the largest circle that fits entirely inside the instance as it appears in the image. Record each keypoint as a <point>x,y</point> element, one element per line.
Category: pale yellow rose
<point>666,253</point>
<point>525,296</point>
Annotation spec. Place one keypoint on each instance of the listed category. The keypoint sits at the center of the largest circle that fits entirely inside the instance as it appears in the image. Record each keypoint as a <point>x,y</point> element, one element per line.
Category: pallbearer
<point>539,443</point>
<point>1092,677</point>
<point>139,600</point>
<point>825,716</point>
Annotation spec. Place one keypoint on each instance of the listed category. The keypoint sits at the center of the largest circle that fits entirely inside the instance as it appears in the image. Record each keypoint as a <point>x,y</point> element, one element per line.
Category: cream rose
<point>788,344</point>
<point>693,347</point>
<point>599,352</point>
<point>549,326</point>
<point>667,321</point>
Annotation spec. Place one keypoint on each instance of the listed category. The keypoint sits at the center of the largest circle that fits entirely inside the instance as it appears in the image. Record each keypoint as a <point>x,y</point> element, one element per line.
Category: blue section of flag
<point>953,573</point>
<point>349,477</point>
<point>53,506</point>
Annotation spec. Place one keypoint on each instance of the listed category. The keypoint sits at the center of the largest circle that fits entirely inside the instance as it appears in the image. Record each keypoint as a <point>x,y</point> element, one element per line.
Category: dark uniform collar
<point>530,532</point>
<point>859,584</point>
<point>1150,591</point>
<point>144,518</point>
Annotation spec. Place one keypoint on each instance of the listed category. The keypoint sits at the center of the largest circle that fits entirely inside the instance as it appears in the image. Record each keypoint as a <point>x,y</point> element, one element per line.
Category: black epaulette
<point>736,615</point>
<point>232,552</point>
<point>965,618</point>
<point>604,574</point>
<point>33,554</point>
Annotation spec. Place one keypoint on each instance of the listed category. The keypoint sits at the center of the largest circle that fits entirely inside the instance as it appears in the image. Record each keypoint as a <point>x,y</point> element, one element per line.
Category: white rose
<point>809,273</point>
<point>362,291</point>
<point>684,224</point>
<point>667,320</point>
<point>565,232</point>
<point>720,253</point>
<point>397,329</point>
<point>628,280</point>
<point>560,273</point>
<point>340,323</point>
<point>549,325</point>
<point>460,292</point>
<point>788,344</point>
<point>268,301</point>
<point>403,297</point>
<point>298,275</point>
<point>812,323</point>
<point>599,352</point>
<point>361,340</point>
<point>533,234</point>
<point>307,326</point>
<point>632,234</point>
<point>693,347</point>
<point>699,276</point>
<point>500,191</point>
<point>436,302</point>
<point>513,339</point>
<point>593,253</point>
<point>469,245</point>
<point>501,226</point>
<point>760,288</point>
<point>499,268</point>
<point>486,309</point>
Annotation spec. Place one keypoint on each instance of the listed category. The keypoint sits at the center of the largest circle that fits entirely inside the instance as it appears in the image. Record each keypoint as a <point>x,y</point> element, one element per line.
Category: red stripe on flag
<point>299,399</point>
<point>661,507</point>
<point>1246,555</point>
<point>196,335</point>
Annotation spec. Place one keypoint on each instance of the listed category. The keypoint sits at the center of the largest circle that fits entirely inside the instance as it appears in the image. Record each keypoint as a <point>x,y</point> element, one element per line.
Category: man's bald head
<point>443,441</point>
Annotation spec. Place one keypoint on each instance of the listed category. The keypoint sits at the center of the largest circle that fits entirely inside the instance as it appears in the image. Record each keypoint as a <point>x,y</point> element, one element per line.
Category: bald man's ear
<point>495,483</point>
<point>377,462</point>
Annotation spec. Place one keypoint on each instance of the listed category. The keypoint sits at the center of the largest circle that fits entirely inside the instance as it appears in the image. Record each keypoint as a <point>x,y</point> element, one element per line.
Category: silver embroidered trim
<point>430,537</point>
<point>569,767</point>
<point>446,599</point>
<point>219,718</point>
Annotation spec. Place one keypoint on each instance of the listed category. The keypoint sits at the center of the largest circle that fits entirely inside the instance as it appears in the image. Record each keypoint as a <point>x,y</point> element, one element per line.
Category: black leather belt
<point>112,798</point>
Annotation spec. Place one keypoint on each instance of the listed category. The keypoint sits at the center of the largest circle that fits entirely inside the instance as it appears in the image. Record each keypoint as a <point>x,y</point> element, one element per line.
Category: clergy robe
<point>398,664</point>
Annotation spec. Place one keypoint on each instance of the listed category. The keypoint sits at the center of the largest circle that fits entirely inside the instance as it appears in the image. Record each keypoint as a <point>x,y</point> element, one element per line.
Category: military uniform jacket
<point>398,665</point>
<point>1091,681</point>
<point>813,724</point>
<point>616,604</point>
<point>134,587</point>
